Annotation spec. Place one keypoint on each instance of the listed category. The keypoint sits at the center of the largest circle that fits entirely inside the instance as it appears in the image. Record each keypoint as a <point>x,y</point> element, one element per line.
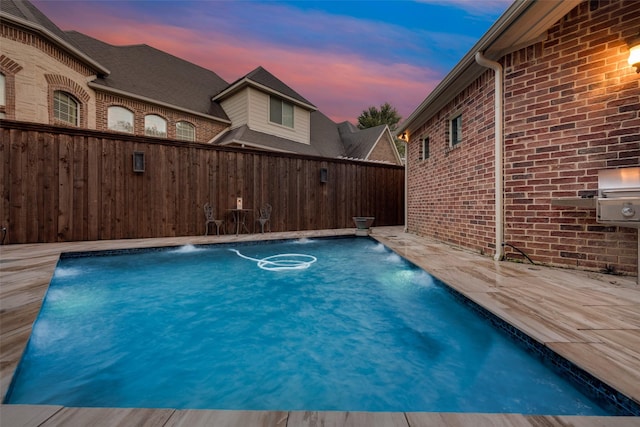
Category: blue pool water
<point>345,325</point>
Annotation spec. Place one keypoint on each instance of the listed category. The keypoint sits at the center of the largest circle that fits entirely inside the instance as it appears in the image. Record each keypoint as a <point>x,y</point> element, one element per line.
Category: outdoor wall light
<point>403,136</point>
<point>634,53</point>
<point>138,161</point>
<point>324,175</point>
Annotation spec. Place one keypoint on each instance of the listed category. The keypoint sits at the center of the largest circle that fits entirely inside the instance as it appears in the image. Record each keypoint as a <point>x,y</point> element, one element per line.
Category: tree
<point>386,115</point>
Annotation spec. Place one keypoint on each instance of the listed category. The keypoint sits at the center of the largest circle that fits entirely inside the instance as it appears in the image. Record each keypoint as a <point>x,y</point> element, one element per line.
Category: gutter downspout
<point>499,144</point>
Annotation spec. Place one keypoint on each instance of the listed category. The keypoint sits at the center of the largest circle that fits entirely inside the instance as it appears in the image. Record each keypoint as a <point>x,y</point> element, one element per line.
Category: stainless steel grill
<point>618,201</point>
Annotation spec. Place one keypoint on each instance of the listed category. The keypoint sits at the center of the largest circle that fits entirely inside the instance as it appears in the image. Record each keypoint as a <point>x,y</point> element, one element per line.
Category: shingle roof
<point>28,12</point>
<point>243,135</point>
<point>359,142</point>
<point>264,78</point>
<point>325,137</point>
<point>328,139</point>
<point>151,73</point>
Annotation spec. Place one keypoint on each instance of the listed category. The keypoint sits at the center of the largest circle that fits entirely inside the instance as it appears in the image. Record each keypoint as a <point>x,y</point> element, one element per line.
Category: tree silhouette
<point>386,115</point>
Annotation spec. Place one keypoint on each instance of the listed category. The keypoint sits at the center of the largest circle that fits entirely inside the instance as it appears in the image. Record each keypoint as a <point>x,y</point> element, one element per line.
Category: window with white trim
<point>455,130</point>
<point>424,147</point>
<point>65,108</point>
<point>155,125</point>
<point>120,119</point>
<point>185,131</point>
<point>280,112</point>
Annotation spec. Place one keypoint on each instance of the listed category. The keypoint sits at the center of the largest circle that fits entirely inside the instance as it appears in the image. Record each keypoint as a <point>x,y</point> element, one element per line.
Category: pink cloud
<point>340,84</point>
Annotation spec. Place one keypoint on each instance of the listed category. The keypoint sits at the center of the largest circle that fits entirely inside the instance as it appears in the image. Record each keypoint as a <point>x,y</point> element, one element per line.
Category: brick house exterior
<point>57,69</point>
<point>571,108</point>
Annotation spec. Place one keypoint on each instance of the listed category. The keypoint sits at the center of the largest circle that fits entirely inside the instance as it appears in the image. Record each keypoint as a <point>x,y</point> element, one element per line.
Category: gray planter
<point>363,223</point>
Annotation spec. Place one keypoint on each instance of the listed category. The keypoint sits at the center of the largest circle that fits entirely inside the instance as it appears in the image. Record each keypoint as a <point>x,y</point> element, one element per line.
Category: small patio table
<point>240,217</point>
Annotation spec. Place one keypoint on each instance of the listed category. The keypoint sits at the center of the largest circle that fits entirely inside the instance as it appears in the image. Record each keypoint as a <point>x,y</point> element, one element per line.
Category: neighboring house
<point>66,78</point>
<point>570,107</point>
<point>267,114</point>
<point>69,79</point>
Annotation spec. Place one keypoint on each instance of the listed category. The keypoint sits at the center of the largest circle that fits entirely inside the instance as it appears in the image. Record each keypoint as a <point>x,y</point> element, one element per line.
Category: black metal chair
<point>210,218</point>
<point>264,217</point>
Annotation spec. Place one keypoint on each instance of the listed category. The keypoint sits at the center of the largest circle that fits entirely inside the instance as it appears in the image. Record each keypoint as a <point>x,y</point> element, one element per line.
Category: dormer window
<point>280,112</point>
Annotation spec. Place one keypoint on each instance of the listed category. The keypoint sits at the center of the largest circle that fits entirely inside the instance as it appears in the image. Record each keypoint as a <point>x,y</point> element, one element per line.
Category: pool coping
<point>34,262</point>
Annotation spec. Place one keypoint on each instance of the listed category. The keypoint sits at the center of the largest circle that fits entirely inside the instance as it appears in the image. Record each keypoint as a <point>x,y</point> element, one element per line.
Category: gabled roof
<point>524,23</point>
<point>328,139</point>
<point>325,139</point>
<point>25,14</point>
<point>267,82</point>
<point>359,142</point>
<point>144,72</point>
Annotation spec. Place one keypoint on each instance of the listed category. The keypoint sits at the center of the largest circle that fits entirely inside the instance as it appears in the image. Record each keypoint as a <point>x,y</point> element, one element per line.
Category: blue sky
<point>343,56</point>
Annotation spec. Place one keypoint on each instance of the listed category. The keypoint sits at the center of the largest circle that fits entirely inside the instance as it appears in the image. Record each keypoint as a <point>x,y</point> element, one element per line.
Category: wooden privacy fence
<point>66,184</point>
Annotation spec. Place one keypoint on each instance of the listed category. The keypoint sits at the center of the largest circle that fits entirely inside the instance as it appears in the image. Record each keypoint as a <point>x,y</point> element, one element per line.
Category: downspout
<point>499,144</point>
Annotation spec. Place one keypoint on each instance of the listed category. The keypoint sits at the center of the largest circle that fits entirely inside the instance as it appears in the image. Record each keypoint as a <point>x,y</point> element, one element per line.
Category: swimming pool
<point>357,329</point>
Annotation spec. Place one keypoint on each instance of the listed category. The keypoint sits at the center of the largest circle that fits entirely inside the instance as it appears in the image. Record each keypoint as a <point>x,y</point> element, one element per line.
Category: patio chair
<point>264,217</point>
<point>210,218</point>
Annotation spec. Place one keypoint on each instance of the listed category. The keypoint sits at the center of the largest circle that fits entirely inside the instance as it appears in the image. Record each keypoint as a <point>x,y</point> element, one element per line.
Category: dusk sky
<point>343,56</point>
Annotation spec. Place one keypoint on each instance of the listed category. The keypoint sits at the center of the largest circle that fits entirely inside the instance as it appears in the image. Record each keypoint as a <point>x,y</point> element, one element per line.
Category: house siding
<point>572,107</point>
<point>236,107</point>
<point>259,119</point>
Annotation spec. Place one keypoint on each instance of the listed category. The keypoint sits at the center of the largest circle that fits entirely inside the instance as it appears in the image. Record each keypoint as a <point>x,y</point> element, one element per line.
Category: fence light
<point>138,161</point>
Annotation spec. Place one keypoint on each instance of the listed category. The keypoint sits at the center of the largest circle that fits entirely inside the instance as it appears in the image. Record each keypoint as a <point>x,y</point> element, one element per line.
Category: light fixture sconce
<point>634,53</point>
<point>324,175</point>
<point>403,136</point>
<point>138,161</point>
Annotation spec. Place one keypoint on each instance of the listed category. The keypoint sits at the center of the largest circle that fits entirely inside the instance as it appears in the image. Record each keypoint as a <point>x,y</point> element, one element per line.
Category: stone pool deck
<point>589,318</point>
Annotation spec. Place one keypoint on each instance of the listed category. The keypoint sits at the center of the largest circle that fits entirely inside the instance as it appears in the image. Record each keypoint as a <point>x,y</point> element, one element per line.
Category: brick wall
<point>572,107</point>
<point>206,129</point>
<point>37,68</point>
<point>451,193</point>
<point>383,151</point>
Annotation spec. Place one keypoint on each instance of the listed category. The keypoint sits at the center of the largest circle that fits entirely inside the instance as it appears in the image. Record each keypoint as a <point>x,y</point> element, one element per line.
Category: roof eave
<point>254,145</point>
<point>503,37</point>
<point>102,70</point>
<point>97,86</point>
<point>246,82</point>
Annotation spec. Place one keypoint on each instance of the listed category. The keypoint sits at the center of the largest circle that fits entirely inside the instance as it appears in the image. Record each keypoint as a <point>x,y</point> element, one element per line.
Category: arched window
<point>120,119</point>
<point>155,125</point>
<point>65,108</point>
<point>185,131</point>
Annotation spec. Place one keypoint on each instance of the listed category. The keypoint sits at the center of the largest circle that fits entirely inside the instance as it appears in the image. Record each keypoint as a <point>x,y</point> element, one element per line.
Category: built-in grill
<point>618,200</point>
